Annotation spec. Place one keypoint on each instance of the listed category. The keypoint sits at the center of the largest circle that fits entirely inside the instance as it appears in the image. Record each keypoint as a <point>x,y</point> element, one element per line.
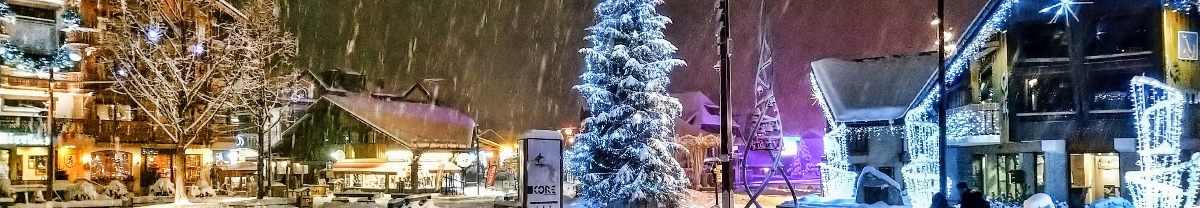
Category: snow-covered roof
<point>876,89</point>
<point>695,113</point>
<point>416,125</point>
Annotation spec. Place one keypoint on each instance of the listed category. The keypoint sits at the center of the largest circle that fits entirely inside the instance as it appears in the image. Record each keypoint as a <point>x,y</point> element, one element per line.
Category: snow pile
<point>1040,200</point>
<point>83,191</point>
<point>5,184</point>
<point>162,187</point>
<point>1111,202</point>
<point>818,201</point>
<point>115,189</point>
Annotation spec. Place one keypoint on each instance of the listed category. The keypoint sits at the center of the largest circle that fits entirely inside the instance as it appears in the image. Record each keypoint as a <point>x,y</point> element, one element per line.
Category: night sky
<point>511,64</point>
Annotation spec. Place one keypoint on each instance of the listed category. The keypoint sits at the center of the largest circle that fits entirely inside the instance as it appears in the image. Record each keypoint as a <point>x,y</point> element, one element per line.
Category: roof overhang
<point>881,89</point>
<point>414,125</point>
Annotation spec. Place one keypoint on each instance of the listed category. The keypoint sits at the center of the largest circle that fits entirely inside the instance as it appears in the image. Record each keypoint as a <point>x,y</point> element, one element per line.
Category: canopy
<point>875,89</point>
<point>416,125</point>
<point>369,167</point>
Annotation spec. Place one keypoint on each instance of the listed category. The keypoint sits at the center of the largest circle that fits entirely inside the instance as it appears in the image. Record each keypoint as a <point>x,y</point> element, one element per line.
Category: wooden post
<point>412,171</point>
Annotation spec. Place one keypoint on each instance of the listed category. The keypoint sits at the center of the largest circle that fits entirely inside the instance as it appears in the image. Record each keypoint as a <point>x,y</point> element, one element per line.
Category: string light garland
<point>1181,5</point>
<point>972,120</point>
<point>994,24</point>
<point>836,177</point>
<point>921,138</point>
<point>1158,112</point>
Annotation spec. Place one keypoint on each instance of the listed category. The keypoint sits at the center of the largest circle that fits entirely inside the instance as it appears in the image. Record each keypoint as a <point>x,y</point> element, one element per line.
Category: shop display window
<point>111,165</point>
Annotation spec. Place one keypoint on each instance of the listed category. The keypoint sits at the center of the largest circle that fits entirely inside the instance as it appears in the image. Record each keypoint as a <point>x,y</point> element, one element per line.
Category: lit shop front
<point>436,172</point>
<point>384,146</point>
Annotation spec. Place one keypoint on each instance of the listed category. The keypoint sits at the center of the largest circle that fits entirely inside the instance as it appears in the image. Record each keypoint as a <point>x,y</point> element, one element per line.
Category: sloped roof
<point>695,113</point>
<point>874,90</point>
<point>416,125</point>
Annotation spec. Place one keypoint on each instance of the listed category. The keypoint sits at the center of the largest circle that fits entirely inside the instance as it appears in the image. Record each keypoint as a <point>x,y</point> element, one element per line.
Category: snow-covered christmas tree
<point>622,156</point>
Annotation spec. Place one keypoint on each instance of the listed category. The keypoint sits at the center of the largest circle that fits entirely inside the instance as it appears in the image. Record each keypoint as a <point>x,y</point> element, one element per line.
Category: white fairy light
<point>836,178</point>
<point>1064,9</point>
<point>154,33</point>
<point>1158,111</point>
<point>820,96</point>
<point>921,137</point>
<point>197,49</point>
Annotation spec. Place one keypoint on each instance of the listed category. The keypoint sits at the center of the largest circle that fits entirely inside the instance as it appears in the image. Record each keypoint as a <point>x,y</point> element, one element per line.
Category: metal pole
<point>941,105</point>
<point>53,155</point>
<point>726,109</point>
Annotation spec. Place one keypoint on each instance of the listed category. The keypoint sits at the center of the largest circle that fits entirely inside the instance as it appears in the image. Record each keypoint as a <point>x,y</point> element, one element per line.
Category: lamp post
<point>726,111</point>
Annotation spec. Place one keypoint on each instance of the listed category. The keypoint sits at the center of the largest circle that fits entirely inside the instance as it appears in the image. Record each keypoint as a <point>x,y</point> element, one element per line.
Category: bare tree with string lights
<point>185,65</point>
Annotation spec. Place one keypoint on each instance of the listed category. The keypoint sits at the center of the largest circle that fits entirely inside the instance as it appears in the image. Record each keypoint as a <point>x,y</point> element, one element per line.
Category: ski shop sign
<point>1189,45</point>
<point>541,159</point>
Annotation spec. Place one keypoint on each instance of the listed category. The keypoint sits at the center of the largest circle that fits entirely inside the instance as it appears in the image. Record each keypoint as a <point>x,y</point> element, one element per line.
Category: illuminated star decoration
<point>1063,8</point>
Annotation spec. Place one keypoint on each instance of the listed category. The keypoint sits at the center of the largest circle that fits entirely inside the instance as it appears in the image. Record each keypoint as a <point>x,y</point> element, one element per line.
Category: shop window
<point>192,163</point>
<point>108,165</point>
<point>37,167</point>
<point>1122,34</point>
<point>1047,93</point>
<point>109,112</point>
<point>1110,91</point>
<point>17,124</point>
<point>1006,167</point>
<point>19,103</point>
<point>35,31</point>
<point>1094,176</point>
<point>1037,39</point>
<point>859,143</point>
<point>987,88</point>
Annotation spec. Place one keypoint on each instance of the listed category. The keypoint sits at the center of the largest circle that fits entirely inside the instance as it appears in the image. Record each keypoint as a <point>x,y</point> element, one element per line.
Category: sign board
<point>542,168</point>
<point>1189,45</point>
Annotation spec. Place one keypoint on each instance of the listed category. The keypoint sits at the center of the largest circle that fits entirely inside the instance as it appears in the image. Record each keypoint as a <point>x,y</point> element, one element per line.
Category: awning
<point>416,125</point>
<point>241,166</point>
<point>370,167</point>
<point>874,90</point>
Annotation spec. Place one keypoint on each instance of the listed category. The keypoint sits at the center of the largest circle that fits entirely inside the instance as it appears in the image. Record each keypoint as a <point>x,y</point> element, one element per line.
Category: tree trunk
<point>262,164</point>
<point>178,167</point>
<point>412,171</point>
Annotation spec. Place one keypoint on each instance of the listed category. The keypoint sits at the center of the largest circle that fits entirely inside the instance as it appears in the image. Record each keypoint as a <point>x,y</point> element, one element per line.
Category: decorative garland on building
<point>1180,5</point>
<point>921,174</point>
<point>1159,110</point>
<point>61,61</point>
<point>836,178</point>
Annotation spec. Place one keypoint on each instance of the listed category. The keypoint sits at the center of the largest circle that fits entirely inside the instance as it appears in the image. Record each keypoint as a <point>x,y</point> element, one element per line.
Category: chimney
<point>434,82</point>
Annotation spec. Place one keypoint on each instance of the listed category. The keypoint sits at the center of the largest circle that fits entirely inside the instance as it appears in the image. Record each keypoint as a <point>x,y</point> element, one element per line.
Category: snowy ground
<point>700,199</point>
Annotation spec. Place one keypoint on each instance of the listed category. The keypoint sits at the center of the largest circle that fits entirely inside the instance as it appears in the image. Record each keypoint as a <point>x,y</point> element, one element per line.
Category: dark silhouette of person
<point>939,200</point>
<point>970,198</point>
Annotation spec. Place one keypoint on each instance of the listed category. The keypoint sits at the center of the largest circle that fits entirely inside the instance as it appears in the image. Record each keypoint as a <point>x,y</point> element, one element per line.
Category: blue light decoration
<point>921,138</point>
<point>70,19</point>
<point>1063,9</point>
<point>622,154</point>
<point>1181,5</point>
<point>5,10</point>
<point>62,60</point>
<point>1159,112</point>
<point>994,24</point>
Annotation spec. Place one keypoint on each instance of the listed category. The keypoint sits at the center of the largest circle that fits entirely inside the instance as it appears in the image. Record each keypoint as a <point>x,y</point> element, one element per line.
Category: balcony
<point>974,124</point>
